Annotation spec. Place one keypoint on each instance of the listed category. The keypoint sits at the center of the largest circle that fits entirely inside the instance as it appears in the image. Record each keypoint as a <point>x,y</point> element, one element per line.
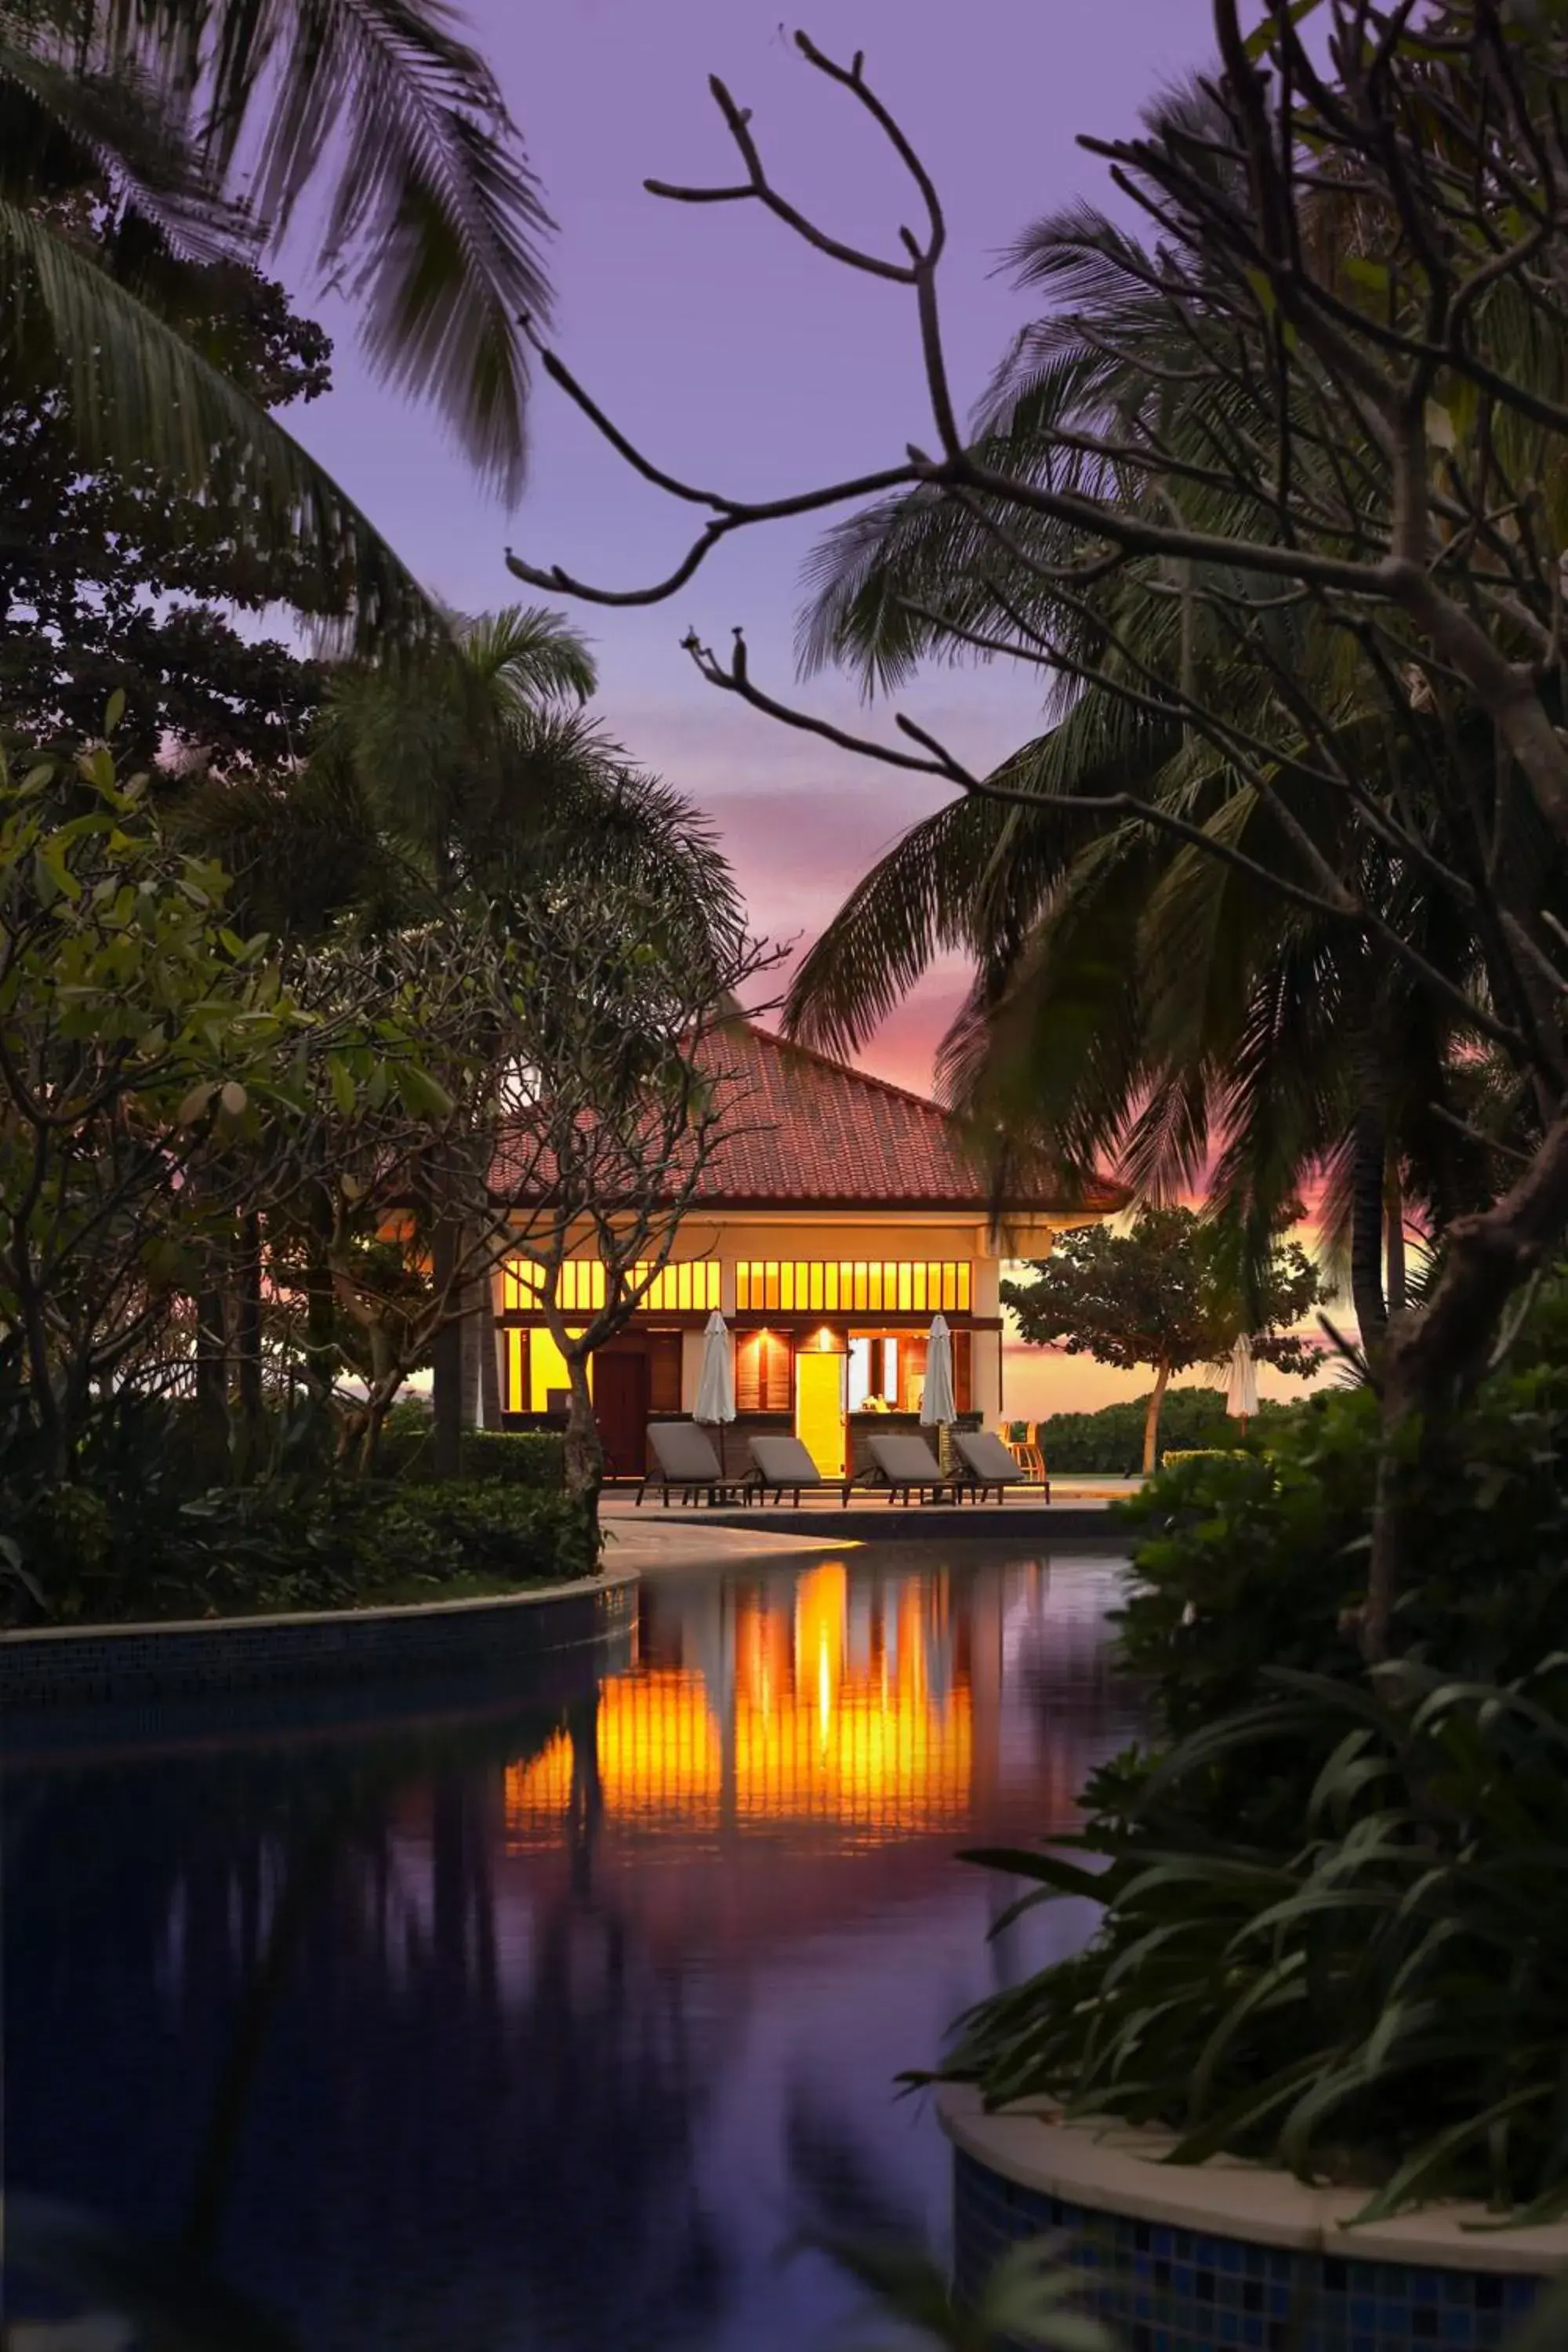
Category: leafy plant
<point>1166,1294</point>
<point>1333,1906</point>
<point>1384,2002</point>
<point>1111,1439</point>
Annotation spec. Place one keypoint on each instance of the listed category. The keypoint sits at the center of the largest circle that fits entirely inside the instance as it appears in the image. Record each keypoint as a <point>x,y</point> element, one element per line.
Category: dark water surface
<point>478,2021</point>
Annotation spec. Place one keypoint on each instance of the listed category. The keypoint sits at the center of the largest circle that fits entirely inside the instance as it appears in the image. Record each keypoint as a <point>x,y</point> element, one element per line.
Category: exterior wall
<point>745,1236</point>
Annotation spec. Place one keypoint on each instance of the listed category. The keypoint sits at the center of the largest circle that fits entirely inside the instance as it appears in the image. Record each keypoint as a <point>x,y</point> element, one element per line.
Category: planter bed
<point>1185,2259</point>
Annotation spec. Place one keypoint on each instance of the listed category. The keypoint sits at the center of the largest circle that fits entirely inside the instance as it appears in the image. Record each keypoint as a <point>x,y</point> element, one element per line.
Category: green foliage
<point>107,1552</point>
<point>513,1458</point>
<point>1111,1439</point>
<point>1165,1293</point>
<point>122,571</point>
<point>1333,1926</point>
<point>528,1457</point>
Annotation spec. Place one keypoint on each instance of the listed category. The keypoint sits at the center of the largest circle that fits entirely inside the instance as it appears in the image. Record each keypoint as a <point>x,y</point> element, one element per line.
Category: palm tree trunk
<point>489,1369</point>
<point>1369,1148</point>
<point>1151,1419</point>
<point>446,1358</point>
<point>248,1348</point>
<point>212,1380</point>
<point>1395,1213</point>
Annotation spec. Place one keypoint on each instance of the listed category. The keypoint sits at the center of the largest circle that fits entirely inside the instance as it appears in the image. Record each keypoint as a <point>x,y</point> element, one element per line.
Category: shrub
<point>530,1457</point>
<point>503,1457</point>
<point>289,1545</point>
<point>1334,1931</point>
<point>1111,1439</point>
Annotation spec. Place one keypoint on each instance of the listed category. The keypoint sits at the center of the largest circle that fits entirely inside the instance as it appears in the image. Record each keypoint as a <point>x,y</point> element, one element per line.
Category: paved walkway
<point>681,1535</point>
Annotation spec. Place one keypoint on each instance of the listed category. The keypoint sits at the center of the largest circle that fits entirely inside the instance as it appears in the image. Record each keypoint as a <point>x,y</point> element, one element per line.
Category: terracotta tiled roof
<point>823,1135</point>
<point>808,1132</point>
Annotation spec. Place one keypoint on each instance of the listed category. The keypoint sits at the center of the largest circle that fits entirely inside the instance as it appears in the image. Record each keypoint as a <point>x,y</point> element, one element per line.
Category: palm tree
<point>1133,997</point>
<point>141,142</point>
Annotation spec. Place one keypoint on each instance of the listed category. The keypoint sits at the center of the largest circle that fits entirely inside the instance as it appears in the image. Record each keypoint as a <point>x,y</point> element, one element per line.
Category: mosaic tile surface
<point>1171,2290</point>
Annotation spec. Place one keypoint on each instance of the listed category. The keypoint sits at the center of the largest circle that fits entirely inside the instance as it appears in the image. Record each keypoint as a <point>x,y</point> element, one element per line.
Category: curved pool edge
<point>1114,2167</point>
<point>46,1666</point>
<point>1227,2251</point>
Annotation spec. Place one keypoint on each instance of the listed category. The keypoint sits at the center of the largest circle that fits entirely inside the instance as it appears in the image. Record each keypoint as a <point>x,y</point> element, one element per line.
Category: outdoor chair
<point>687,1460</point>
<point>1022,1439</point>
<point>906,1465</point>
<point>986,1467</point>
<point>781,1462</point>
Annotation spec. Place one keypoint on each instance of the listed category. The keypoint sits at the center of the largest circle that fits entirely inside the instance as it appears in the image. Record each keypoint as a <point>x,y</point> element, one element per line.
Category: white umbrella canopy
<point>1241,1390</point>
<point>937,1405</point>
<point>716,1387</point>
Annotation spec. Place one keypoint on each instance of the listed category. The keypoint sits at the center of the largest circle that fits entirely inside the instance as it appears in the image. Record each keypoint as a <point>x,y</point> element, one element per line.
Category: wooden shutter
<point>962,1372</point>
<point>765,1373</point>
<point>664,1373</point>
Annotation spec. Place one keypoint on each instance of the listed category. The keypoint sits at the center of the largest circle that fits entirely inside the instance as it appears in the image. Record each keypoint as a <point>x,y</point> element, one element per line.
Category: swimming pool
<point>544,2015</point>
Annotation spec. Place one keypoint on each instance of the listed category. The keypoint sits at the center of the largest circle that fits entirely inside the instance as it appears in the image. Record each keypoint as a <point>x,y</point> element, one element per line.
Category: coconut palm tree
<point>141,138</point>
<point>1133,997</point>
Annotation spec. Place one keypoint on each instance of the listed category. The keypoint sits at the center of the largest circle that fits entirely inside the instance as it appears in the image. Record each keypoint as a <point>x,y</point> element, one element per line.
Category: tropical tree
<point>1164,1293</point>
<point>114,579</point>
<point>1367,424</point>
<point>140,145</point>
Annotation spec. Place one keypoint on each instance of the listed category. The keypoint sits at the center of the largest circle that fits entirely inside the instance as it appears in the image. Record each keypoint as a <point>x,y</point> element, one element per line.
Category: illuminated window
<point>852,1286</point>
<point>534,1367</point>
<point>688,1287</point>
<point>691,1287</point>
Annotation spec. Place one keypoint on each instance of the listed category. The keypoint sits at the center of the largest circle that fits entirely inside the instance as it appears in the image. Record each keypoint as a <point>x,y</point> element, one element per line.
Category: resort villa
<point>827,1234</point>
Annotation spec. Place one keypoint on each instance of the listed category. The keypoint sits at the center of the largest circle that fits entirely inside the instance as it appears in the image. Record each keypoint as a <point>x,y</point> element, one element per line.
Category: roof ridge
<point>851,1070</point>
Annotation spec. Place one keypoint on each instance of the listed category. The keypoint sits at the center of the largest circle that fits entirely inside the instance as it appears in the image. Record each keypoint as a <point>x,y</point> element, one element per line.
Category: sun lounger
<point>781,1462</point>
<point>905,1465</point>
<point>986,1467</point>
<point>687,1462</point>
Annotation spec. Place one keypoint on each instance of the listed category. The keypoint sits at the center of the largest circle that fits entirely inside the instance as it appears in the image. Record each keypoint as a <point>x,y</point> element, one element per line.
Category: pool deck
<point>681,1535</point>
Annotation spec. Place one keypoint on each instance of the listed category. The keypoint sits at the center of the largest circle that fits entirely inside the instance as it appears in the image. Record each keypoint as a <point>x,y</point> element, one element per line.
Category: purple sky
<point>733,353</point>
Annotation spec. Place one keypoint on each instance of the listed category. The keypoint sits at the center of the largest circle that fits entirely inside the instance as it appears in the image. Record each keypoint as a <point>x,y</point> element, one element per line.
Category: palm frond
<point>433,218</point>
<point>139,391</point>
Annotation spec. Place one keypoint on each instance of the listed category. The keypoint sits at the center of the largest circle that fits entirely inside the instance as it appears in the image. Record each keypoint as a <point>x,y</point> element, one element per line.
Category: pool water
<point>548,2015</point>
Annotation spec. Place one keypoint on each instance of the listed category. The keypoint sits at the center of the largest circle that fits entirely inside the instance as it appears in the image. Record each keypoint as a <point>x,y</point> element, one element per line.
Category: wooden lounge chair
<point>986,1467</point>
<point>687,1460</point>
<point>781,1462</point>
<point>906,1465</point>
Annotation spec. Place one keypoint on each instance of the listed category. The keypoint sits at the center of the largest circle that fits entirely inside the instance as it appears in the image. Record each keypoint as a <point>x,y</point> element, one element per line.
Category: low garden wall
<point>55,1665</point>
<point>1189,2257</point>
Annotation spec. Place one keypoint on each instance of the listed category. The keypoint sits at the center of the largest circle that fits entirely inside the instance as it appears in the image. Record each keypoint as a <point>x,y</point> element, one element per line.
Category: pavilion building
<point>828,1235</point>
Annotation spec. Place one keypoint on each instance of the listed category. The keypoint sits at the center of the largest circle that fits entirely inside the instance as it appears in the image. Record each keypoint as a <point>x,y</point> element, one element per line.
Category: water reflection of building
<point>870,1709</point>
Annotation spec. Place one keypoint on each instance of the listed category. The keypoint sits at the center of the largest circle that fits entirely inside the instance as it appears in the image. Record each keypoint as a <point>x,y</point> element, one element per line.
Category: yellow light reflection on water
<point>817,1733</point>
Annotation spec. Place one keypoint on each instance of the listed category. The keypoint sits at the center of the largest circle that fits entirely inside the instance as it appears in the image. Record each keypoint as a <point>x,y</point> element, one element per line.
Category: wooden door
<point>620,1408</point>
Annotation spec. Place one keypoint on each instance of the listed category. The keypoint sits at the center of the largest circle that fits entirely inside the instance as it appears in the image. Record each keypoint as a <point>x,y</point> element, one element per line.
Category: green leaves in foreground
<point>1386,2005</point>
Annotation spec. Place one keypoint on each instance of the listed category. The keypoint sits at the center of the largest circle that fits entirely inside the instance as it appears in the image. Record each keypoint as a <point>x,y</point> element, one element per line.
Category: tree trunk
<point>447,1359</point>
<point>1369,1148</point>
<point>248,1348</point>
<point>1394,1196</point>
<point>320,1324</point>
<point>584,1452</point>
<point>212,1382</point>
<point>490,1370</point>
<point>1435,1357</point>
<point>1151,1419</point>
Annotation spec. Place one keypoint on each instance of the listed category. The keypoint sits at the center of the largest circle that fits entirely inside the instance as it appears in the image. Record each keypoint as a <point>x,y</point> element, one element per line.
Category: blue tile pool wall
<point>1171,2290</point>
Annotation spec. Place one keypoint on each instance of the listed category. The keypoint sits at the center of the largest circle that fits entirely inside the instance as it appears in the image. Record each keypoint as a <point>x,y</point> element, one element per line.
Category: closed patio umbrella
<point>937,1406</point>
<point>716,1388</point>
<point>1241,1390</point>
